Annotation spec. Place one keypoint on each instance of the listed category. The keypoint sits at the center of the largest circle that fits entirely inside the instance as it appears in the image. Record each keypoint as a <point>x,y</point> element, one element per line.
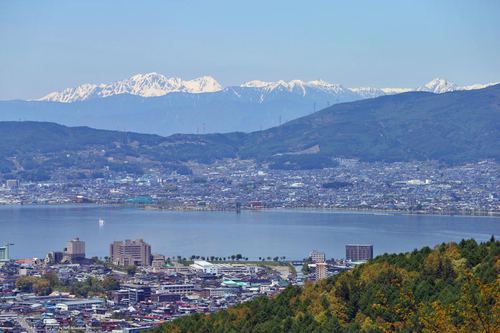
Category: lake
<point>36,230</point>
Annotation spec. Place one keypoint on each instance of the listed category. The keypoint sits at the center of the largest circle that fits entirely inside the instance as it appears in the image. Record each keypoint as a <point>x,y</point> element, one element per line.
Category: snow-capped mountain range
<point>154,85</point>
<point>145,85</point>
<point>153,103</point>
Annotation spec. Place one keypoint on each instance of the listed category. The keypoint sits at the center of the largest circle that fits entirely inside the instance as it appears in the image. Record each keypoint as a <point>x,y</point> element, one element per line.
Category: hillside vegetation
<point>453,127</point>
<point>36,150</point>
<point>452,288</point>
<point>457,127</point>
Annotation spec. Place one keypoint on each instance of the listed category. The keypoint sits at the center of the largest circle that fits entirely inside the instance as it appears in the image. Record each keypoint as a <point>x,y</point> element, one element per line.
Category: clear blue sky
<point>49,45</point>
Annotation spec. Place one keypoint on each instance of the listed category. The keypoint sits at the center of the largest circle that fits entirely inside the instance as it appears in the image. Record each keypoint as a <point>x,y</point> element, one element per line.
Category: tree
<point>421,291</point>
<point>52,278</point>
<point>42,287</point>
<point>38,285</point>
<point>131,270</point>
<point>25,283</point>
<point>110,283</point>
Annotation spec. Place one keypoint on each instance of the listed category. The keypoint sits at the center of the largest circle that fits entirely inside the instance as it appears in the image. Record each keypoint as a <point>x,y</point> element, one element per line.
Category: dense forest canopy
<point>452,288</point>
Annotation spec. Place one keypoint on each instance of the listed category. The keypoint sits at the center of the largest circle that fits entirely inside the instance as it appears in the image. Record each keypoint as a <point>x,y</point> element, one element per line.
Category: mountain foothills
<point>454,127</point>
<point>172,105</point>
<point>452,288</point>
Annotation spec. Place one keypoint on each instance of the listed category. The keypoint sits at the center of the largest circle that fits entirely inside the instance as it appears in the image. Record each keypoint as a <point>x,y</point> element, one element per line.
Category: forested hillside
<point>452,288</point>
<point>453,128</point>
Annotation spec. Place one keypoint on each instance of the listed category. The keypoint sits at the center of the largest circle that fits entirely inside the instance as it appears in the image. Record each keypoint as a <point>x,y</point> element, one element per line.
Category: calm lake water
<point>36,230</point>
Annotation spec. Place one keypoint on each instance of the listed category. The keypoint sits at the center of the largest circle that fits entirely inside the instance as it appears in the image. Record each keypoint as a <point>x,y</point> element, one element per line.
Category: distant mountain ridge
<point>195,106</point>
<point>145,85</point>
<point>155,84</point>
<point>452,127</point>
<point>456,127</point>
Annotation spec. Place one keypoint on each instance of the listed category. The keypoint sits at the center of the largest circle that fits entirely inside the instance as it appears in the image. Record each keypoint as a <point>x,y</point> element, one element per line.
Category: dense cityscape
<point>133,290</point>
<point>249,166</point>
<point>233,184</point>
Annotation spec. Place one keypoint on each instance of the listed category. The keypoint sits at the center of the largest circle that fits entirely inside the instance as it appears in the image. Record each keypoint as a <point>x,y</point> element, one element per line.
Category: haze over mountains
<point>154,84</point>
<point>455,127</point>
<point>153,103</point>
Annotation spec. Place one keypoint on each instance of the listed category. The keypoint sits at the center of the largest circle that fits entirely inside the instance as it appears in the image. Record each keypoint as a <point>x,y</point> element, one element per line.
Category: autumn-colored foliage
<point>452,288</point>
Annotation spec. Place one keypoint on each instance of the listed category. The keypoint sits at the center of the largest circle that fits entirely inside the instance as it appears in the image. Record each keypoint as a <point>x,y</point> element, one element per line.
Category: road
<point>25,325</point>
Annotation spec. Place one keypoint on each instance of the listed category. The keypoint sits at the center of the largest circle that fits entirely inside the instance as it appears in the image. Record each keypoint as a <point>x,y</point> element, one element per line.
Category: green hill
<point>452,288</point>
<point>35,150</point>
<point>455,127</point>
<point>452,127</point>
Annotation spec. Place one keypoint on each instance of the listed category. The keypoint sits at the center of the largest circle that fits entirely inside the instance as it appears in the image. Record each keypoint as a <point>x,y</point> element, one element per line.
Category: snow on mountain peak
<point>203,84</point>
<point>294,84</point>
<point>155,84</point>
<point>145,85</point>
<point>439,86</point>
<point>255,84</point>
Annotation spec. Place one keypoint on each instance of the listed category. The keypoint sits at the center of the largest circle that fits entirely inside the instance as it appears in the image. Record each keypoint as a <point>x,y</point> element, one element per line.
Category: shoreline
<point>364,211</point>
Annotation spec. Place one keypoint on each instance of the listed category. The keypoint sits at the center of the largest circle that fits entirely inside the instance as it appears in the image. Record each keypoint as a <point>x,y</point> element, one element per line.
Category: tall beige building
<point>321,271</point>
<point>75,249</point>
<point>130,252</point>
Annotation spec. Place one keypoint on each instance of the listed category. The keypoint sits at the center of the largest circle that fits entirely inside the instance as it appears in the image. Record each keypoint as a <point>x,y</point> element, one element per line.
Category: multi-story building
<point>165,297</point>
<point>321,271</point>
<point>130,252</point>
<point>54,257</point>
<point>4,253</point>
<point>358,252</point>
<point>138,294</point>
<point>75,249</point>
<point>317,256</point>
<point>178,288</point>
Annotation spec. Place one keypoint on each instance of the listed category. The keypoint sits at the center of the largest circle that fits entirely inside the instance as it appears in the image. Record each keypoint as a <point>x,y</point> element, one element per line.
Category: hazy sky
<point>50,45</point>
